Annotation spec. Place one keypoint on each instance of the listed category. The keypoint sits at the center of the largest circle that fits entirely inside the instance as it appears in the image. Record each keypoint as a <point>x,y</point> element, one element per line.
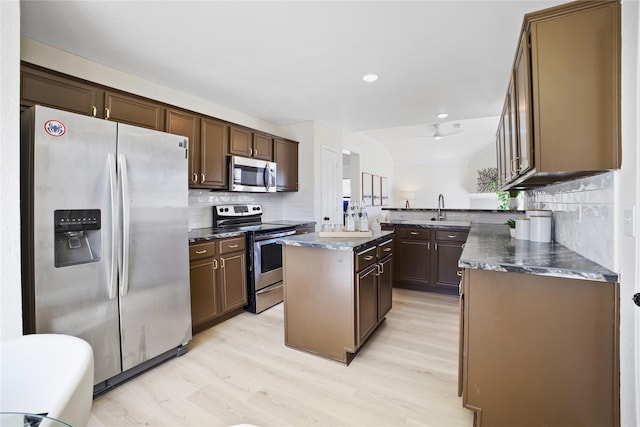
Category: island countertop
<point>333,243</point>
<point>490,247</point>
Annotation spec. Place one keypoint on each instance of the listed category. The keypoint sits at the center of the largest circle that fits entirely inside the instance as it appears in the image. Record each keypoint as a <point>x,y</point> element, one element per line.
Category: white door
<point>331,185</point>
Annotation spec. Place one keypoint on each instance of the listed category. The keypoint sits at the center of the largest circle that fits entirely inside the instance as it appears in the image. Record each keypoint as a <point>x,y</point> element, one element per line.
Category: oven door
<point>251,175</point>
<point>267,259</point>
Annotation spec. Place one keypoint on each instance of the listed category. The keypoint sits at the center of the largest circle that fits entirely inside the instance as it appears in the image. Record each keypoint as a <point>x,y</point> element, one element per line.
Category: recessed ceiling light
<point>442,115</point>
<point>370,78</point>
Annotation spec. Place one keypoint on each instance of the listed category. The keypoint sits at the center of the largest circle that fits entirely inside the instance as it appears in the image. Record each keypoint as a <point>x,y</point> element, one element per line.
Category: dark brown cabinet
<point>52,90</point>
<point>286,158</point>
<point>133,110</point>
<point>529,357</point>
<point>367,298</point>
<point>187,124</point>
<point>218,281</point>
<point>447,250</point>
<point>413,247</point>
<point>566,75</point>
<point>244,142</point>
<point>213,154</point>
<point>427,258</point>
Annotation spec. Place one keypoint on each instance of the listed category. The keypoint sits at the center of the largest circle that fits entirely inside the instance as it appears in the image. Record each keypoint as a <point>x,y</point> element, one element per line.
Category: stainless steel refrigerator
<point>105,239</point>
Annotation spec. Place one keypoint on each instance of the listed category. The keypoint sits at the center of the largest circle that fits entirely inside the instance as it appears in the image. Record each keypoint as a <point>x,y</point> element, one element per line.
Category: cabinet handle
<point>195,177</point>
<point>368,258</point>
<point>201,178</point>
<point>204,251</point>
<point>451,236</point>
<point>386,250</point>
<point>94,111</point>
<point>463,245</point>
<point>436,246</point>
<point>107,113</point>
<point>414,233</point>
<point>381,268</point>
<point>221,262</point>
<point>428,246</point>
<point>459,273</point>
<point>250,152</point>
<point>215,264</point>
<point>233,246</point>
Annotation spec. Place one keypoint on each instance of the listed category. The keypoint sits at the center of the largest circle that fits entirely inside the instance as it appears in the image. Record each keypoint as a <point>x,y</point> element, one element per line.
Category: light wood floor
<point>241,372</point>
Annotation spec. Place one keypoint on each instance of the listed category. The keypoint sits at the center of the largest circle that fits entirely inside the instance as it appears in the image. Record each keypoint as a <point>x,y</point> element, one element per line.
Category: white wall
<point>10,293</point>
<point>627,248</point>
<point>374,159</point>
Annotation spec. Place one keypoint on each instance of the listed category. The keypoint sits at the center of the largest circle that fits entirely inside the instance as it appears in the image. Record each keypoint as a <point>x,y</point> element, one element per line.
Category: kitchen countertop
<point>333,243</point>
<point>490,247</point>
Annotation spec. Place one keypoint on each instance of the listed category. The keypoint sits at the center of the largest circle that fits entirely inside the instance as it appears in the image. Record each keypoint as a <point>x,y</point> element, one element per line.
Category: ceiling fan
<point>440,130</point>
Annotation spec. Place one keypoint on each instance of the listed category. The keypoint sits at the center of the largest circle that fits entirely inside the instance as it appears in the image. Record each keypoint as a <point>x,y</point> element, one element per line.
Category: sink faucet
<point>440,207</point>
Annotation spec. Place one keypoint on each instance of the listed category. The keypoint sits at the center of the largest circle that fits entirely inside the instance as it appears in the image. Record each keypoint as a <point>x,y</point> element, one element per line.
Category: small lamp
<point>408,195</point>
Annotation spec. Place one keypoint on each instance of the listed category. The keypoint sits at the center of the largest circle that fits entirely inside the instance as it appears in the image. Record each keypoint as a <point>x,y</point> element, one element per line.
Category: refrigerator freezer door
<point>71,173</point>
<point>155,308</point>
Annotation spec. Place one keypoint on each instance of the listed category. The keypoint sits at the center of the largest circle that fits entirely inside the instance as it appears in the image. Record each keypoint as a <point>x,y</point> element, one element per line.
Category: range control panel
<point>238,210</point>
<point>76,220</point>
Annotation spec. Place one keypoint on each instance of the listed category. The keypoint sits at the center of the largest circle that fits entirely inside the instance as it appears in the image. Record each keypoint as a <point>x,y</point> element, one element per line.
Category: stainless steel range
<point>264,266</point>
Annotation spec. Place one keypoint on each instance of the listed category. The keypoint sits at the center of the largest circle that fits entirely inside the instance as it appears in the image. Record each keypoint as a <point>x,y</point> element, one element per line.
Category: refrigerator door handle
<point>124,181</point>
<point>113,187</point>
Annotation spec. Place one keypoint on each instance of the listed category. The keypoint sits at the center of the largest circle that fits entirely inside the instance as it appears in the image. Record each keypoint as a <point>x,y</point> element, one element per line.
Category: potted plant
<point>512,227</point>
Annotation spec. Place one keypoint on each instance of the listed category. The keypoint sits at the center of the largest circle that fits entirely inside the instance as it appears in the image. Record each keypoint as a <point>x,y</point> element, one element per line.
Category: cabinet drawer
<point>366,258</point>
<point>414,233</point>
<point>385,249</point>
<point>232,245</point>
<point>201,250</point>
<point>457,236</point>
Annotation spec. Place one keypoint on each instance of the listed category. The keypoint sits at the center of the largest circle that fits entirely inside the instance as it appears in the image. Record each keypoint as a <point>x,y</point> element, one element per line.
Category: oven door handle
<point>262,237</point>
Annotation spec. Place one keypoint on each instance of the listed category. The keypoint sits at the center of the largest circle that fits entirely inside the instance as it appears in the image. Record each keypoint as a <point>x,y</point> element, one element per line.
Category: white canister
<point>531,213</point>
<point>540,229</point>
<point>522,229</point>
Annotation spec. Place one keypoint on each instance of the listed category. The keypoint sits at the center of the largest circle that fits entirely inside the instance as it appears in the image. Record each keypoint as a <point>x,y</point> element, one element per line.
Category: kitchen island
<point>538,333</point>
<point>337,291</point>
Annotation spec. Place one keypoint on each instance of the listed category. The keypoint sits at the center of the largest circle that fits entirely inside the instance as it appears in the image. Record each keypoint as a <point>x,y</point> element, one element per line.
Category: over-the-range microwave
<point>252,175</point>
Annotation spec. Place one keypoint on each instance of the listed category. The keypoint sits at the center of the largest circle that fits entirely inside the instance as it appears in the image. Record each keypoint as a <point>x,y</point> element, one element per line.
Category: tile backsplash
<point>275,206</point>
<point>583,211</point>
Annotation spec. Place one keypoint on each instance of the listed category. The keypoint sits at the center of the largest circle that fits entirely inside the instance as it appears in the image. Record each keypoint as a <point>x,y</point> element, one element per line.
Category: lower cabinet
<point>539,350</point>
<point>427,258</point>
<point>218,281</point>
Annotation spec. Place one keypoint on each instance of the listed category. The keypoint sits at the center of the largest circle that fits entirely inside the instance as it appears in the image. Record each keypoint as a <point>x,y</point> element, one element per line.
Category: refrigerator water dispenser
<point>77,237</point>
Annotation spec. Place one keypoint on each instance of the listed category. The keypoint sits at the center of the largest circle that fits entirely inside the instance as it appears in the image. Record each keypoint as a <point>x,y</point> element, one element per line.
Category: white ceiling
<point>288,62</point>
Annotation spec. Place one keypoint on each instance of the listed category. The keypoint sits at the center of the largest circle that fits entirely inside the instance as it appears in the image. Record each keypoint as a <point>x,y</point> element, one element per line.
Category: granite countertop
<point>425,223</point>
<point>490,247</point>
<point>333,243</point>
<point>210,233</point>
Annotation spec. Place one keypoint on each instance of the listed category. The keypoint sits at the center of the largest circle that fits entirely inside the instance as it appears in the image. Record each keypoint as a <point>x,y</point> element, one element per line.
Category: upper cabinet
<point>211,140</point>
<point>564,97</point>
<point>133,110</point>
<point>244,142</point>
<point>286,158</point>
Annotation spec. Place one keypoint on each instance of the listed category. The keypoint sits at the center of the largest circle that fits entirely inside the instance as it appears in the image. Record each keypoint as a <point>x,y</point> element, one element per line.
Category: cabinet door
<point>385,287</point>
<point>233,283</point>
<point>447,273</point>
<point>522,79</point>
<point>413,261</point>
<point>133,110</point>
<point>213,160</point>
<point>240,141</point>
<point>50,90</point>
<point>286,158</point>
<point>262,147</point>
<point>366,302</point>
<point>186,124</point>
<point>204,301</point>
<point>511,131</point>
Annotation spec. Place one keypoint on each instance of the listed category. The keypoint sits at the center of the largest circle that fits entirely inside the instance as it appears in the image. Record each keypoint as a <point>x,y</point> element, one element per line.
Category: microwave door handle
<point>266,176</point>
